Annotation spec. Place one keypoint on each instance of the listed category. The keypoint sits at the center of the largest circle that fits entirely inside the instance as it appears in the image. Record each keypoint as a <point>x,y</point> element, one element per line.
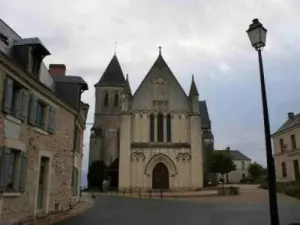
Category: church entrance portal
<point>160,176</point>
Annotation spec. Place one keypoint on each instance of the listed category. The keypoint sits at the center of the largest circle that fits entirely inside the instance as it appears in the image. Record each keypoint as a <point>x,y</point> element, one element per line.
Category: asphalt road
<point>114,210</point>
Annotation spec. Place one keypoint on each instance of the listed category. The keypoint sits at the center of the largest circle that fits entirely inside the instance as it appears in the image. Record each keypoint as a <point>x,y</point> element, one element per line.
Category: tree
<point>256,170</point>
<point>96,174</point>
<point>222,163</point>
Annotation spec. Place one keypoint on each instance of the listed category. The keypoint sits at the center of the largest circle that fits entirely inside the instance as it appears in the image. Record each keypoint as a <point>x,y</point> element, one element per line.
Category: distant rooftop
<point>292,121</point>
<point>237,155</point>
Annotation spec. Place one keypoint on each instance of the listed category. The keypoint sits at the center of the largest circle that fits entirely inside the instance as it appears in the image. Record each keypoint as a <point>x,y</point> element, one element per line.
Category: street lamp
<point>257,35</point>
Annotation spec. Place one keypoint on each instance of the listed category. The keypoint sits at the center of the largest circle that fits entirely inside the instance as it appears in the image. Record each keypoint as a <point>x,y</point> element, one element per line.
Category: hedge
<point>288,188</point>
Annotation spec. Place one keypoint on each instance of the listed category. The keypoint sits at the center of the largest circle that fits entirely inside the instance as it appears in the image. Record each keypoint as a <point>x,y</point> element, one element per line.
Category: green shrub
<point>247,180</point>
<point>251,180</point>
<point>293,190</point>
<point>288,188</point>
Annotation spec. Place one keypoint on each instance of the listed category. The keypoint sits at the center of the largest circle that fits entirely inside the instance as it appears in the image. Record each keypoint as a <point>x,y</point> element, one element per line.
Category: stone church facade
<point>157,138</point>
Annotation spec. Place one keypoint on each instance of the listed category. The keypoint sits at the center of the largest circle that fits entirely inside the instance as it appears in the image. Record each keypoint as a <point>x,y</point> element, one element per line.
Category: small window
<point>106,99</point>
<point>243,165</point>
<point>35,64</point>
<point>12,168</point>
<point>14,163</point>
<point>160,127</point>
<point>281,143</point>
<point>40,114</point>
<point>283,168</point>
<point>169,128</point>
<point>151,128</point>
<point>51,119</point>
<point>293,140</point>
<point>15,99</point>
<point>116,99</point>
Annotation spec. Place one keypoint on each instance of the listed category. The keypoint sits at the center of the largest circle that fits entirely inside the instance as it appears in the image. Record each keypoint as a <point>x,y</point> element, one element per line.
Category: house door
<point>296,170</point>
<point>42,183</point>
<point>160,177</point>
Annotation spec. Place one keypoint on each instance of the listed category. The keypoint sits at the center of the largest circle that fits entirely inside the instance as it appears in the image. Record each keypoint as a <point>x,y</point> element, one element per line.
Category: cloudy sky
<point>203,37</point>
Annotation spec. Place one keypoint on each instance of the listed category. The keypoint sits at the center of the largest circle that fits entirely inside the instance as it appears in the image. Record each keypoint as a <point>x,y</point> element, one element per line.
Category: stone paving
<point>249,208</point>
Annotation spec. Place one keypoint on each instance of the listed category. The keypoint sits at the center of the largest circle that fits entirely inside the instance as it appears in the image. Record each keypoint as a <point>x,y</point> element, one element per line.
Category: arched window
<point>151,128</point>
<point>116,99</point>
<point>106,99</point>
<point>160,127</point>
<point>169,128</point>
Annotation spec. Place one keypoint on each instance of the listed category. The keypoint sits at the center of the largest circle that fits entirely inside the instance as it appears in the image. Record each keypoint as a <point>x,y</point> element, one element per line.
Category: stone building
<point>286,142</point>
<point>42,120</point>
<point>158,137</point>
<point>242,163</point>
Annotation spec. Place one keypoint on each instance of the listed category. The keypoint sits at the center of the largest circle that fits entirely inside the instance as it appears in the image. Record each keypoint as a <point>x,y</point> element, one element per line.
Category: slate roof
<point>113,75</point>
<point>160,63</point>
<point>32,41</point>
<point>70,79</point>
<point>207,134</point>
<point>291,122</point>
<point>193,89</point>
<point>127,88</point>
<point>205,121</point>
<point>237,155</point>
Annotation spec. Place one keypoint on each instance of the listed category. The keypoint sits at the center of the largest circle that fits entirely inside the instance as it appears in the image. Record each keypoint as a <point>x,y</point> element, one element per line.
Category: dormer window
<point>29,53</point>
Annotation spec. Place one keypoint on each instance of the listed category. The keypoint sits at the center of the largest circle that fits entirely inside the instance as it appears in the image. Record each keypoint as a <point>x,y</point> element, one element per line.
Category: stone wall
<point>57,147</point>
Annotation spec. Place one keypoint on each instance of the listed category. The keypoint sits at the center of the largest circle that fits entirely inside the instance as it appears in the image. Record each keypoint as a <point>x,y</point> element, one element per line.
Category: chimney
<point>57,69</point>
<point>290,115</point>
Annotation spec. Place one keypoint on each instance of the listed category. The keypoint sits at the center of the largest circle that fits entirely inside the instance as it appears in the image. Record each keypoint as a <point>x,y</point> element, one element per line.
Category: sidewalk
<point>85,203</point>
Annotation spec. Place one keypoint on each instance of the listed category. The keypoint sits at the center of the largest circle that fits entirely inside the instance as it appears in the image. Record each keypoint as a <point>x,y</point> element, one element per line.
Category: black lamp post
<point>257,34</point>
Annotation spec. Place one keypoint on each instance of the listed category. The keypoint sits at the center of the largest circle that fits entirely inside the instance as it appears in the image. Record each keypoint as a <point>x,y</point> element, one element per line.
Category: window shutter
<point>8,98</point>
<point>33,108</point>
<point>51,124</point>
<point>23,173</point>
<point>4,167</point>
<point>25,103</point>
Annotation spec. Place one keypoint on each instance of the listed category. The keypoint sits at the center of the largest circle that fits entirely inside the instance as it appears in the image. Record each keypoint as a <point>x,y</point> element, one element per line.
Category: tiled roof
<point>127,88</point>
<point>205,121</point>
<point>207,134</point>
<point>291,122</point>
<point>237,155</point>
<point>113,75</point>
<point>70,79</point>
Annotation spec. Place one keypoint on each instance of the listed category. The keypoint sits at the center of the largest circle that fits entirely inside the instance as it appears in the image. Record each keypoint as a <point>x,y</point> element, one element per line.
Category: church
<point>156,138</point>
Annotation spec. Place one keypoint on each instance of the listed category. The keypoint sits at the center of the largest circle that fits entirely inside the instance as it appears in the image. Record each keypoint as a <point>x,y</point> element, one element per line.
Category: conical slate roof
<point>127,88</point>
<point>193,89</point>
<point>113,75</point>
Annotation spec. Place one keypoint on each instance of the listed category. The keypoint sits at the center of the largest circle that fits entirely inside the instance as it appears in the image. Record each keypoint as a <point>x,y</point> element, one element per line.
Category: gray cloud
<point>206,38</point>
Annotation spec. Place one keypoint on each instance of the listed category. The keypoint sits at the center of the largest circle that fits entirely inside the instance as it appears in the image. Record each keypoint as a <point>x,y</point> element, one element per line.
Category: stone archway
<point>160,176</point>
<point>166,160</point>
